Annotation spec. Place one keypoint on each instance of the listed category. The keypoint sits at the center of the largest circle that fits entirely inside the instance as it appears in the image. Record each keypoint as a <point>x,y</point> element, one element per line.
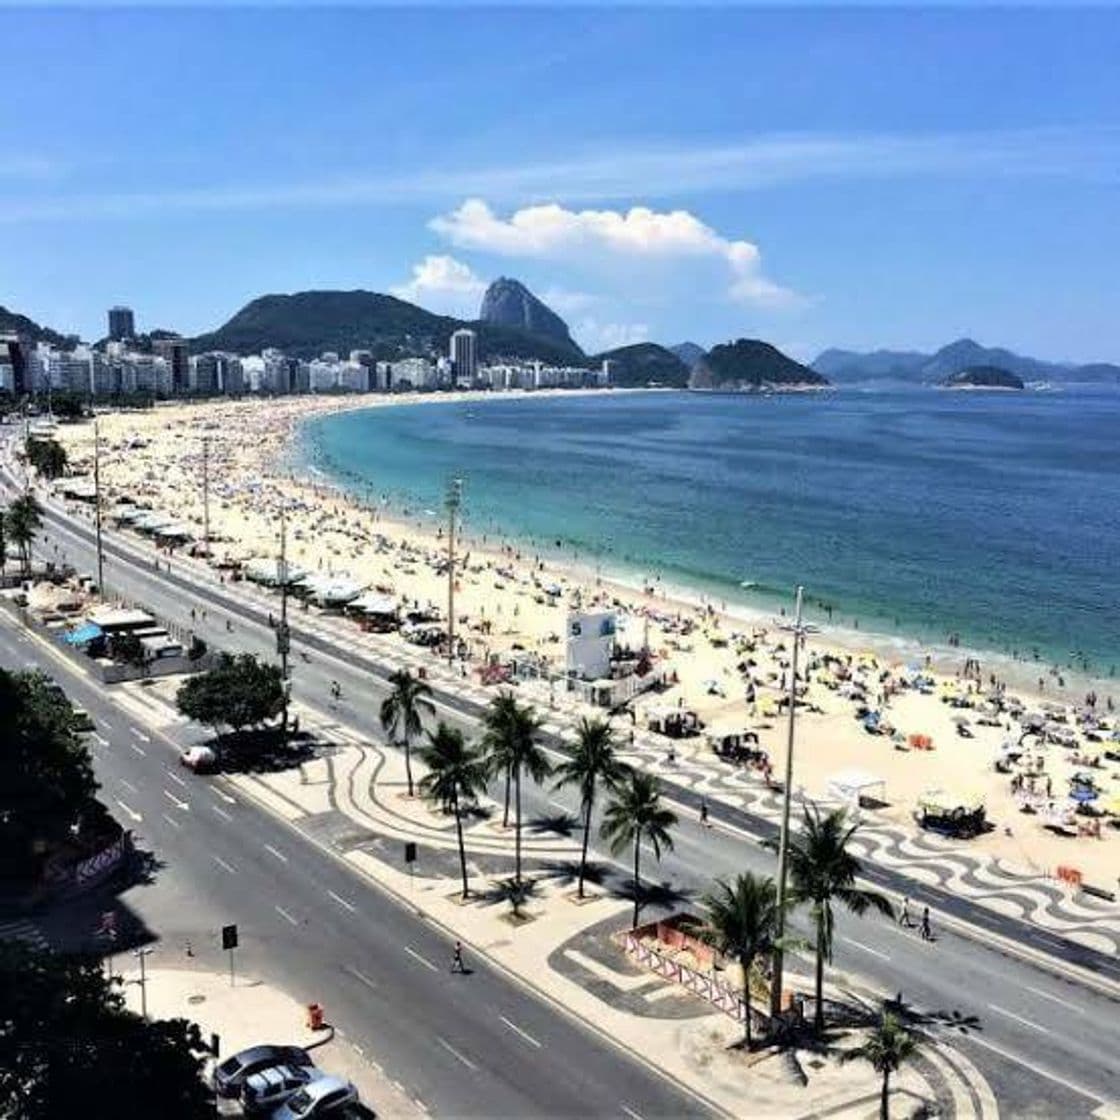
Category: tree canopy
<point>46,776</point>
<point>47,456</point>
<point>239,692</point>
<point>68,1046</point>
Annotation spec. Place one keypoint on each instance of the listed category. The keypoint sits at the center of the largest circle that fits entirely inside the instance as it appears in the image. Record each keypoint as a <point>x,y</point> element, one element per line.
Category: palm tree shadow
<point>862,1013</point>
<point>661,895</point>
<point>510,892</point>
<point>562,824</point>
<point>566,872</point>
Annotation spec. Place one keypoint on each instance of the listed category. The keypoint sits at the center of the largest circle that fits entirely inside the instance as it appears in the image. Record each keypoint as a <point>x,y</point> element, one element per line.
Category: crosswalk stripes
<point>21,929</point>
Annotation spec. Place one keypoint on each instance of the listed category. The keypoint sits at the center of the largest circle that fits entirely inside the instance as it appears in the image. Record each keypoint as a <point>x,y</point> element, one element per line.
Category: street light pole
<point>454,500</point>
<point>798,630</point>
<point>206,498</point>
<point>143,982</point>
<point>283,639</point>
<point>97,507</point>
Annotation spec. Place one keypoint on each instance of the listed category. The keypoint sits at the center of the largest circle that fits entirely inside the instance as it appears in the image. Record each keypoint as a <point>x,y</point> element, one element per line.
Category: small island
<point>983,377</point>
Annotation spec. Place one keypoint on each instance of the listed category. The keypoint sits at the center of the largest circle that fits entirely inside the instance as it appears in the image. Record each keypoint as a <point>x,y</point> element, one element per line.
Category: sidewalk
<point>237,1013</point>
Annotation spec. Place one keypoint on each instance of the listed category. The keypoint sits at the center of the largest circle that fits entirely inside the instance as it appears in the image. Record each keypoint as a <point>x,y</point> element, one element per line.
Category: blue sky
<point>823,177</point>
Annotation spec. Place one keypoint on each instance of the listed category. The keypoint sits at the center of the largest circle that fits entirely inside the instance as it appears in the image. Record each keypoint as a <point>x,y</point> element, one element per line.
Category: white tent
<point>851,785</point>
<point>374,604</point>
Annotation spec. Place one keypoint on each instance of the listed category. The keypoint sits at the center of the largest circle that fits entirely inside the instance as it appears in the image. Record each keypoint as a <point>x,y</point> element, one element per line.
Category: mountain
<point>983,377</point>
<point>749,363</point>
<point>305,324</point>
<point>688,352</point>
<point>644,363</point>
<point>12,322</point>
<point>508,303</point>
<point>847,365</point>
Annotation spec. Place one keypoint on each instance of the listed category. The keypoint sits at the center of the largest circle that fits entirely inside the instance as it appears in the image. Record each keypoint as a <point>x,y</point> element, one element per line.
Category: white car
<point>325,1096</point>
<point>265,1091</point>
<point>201,760</point>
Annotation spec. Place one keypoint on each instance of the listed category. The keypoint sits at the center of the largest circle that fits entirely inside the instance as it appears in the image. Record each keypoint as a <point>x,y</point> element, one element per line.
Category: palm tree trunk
<point>586,835</point>
<point>462,850</point>
<point>818,1016</point>
<point>505,813</point>
<point>408,763</point>
<point>637,879</point>
<point>884,1105</point>
<point>517,824</point>
<point>745,965</point>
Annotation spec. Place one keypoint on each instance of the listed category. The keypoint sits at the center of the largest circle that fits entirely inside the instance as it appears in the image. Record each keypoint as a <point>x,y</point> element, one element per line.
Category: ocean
<point>912,514</point>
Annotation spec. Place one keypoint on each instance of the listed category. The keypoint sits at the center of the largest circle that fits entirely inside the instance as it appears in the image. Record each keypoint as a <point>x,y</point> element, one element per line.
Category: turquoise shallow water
<point>995,517</point>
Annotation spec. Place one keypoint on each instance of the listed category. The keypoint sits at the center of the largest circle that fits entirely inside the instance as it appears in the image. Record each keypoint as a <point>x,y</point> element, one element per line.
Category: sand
<point>155,458</point>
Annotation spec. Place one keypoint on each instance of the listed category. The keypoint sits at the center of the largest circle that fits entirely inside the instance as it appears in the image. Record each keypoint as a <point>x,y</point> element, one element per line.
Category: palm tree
<point>403,711</point>
<point>25,518</point>
<point>743,923</point>
<point>887,1048</point>
<point>512,747</point>
<point>636,814</point>
<point>823,870</point>
<point>3,546</point>
<point>499,716</point>
<point>456,773</point>
<point>592,762</point>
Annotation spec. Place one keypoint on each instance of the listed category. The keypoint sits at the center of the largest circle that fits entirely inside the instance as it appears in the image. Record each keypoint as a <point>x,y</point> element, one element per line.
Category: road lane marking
<point>286,916</point>
<point>517,1030</point>
<point>423,960</point>
<point>342,902</point>
<point>140,735</point>
<point>179,804</point>
<point>630,1112</point>
<point>131,812</point>
<point>129,786</point>
<point>138,750</point>
<point>226,797</point>
<point>279,855</point>
<point>455,1053</point>
<point>1018,1018</point>
<point>359,976</point>
<point>221,812</point>
<point>171,821</point>
<point>1056,999</point>
<point>175,778</point>
<point>557,805</point>
<point>222,863</point>
<point>865,948</point>
<point>1034,1067</point>
<point>99,738</point>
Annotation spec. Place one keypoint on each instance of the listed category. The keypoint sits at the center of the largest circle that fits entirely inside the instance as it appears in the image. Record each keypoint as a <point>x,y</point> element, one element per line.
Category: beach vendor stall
<point>675,723</point>
<point>733,743</point>
<point>961,817</point>
<point>857,787</point>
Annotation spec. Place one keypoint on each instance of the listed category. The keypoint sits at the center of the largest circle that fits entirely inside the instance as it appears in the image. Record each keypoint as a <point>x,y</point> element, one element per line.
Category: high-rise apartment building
<point>13,365</point>
<point>122,324</point>
<point>464,355</point>
<point>174,352</point>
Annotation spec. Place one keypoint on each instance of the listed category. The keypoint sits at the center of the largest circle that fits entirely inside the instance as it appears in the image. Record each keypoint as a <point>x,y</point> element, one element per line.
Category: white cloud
<point>551,231</point>
<point>596,337</point>
<point>566,302</point>
<point>441,283</point>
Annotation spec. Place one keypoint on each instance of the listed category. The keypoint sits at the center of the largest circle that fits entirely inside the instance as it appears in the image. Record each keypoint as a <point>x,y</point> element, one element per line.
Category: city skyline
<point>830,178</point>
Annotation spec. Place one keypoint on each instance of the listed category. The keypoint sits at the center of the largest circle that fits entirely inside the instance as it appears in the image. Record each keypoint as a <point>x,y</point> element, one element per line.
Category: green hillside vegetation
<point>749,363</point>
<point>13,323</point>
<point>644,363</point>
<point>983,377</point>
<point>306,324</point>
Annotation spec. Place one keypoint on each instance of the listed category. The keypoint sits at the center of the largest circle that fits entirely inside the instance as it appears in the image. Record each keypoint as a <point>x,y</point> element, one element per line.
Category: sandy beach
<point>731,669</point>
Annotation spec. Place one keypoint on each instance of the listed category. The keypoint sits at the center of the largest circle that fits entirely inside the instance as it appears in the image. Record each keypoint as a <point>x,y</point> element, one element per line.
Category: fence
<point>702,984</point>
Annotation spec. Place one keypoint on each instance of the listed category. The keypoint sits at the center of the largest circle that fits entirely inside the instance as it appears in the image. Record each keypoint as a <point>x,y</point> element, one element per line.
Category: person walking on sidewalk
<point>457,959</point>
<point>704,812</point>
<point>927,934</point>
<point>904,918</point>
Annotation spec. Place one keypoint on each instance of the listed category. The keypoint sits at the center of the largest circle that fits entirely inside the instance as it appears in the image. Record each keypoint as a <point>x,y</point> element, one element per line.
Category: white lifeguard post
<point>590,644</point>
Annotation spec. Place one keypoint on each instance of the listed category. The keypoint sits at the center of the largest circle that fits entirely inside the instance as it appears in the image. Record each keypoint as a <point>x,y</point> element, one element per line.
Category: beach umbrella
<point>963,721</point>
<point>1083,794</point>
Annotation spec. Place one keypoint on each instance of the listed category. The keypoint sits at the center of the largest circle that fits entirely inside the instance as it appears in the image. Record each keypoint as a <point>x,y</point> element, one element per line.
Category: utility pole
<point>454,500</point>
<point>143,982</point>
<point>97,508</point>
<point>206,498</point>
<point>283,638</point>
<point>798,630</point>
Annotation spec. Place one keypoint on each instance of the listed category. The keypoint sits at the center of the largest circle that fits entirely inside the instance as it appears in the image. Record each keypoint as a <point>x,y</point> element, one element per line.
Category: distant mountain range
<point>688,352</point>
<point>13,323</point>
<point>912,366</point>
<point>645,363</point>
<point>306,324</point>
<point>983,377</point>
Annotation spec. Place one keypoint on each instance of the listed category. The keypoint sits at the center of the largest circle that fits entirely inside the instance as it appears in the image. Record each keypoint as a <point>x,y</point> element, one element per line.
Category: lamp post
<point>97,508</point>
<point>453,501</point>
<point>206,499</point>
<point>140,954</point>
<point>283,636</point>
<point>799,630</point>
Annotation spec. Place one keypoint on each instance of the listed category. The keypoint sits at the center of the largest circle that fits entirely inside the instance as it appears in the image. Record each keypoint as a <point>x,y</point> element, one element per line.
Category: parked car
<point>265,1091</point>
<point>231,1074</point>
<point>325,1096</point>
<point>83,721</point>
<point>202,760</point>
